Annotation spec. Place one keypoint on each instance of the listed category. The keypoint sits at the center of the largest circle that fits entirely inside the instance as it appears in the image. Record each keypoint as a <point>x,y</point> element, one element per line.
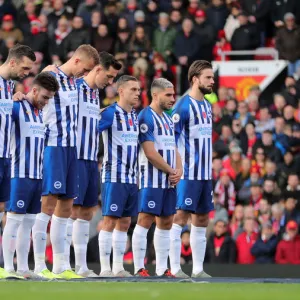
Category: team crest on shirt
<point>204,114</point>
<point>144,128</point>
<point>166,126</point>
<point>176,118</point>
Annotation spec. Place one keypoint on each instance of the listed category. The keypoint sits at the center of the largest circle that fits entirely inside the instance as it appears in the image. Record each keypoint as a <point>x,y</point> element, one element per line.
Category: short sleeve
<point>106,118</point>
<point>146,127</point>
<point>180,117</point>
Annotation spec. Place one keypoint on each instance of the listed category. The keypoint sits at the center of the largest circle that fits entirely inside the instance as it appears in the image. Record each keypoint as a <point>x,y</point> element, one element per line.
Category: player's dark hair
<point>197,67</point>
<point>19,51</point>
<point>47,81</point>
<point>107,60</point>
<point>124,79</point>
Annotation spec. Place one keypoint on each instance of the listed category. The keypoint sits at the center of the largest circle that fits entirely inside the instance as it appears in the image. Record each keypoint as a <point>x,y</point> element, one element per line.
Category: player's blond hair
<point>88,51</point>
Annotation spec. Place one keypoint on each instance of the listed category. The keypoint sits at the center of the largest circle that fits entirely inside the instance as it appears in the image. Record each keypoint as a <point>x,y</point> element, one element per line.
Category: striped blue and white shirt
<point>88,121</point>
<point>6,105</point>
<point>27,141</point>
<point>120,138</point>
<point>60,114</point>
<point>193,130</point>
<point>160,130</point>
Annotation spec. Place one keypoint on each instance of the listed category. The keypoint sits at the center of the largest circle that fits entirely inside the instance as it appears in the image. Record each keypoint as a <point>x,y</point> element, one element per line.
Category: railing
<point>259,51</point>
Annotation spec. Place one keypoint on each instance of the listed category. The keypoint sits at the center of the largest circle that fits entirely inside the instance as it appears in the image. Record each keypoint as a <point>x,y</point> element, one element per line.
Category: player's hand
<point>18,96</point>
<point>51,68</point>
<point>174,178</point>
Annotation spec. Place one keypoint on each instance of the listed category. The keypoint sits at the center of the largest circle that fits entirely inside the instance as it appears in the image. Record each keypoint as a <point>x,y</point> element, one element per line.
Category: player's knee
<point>85,213</point>
<point>181,218</point>
<point>145,220</point>
<point>200,220</point>
<point>123,224</point>
<point>109,223</point>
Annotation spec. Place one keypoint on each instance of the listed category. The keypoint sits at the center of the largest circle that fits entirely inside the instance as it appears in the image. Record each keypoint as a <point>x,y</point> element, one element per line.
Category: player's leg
<point>24,232</point>
<point>113,199</point>
<point>198,228</point>
<point>162,232</point>
<point>5,179</point>
<point>16,210</point>
<point>121,229</point>
<point>149,205</point>
<point>81,230</point>
<point>188,192</point>
<point>82,212</point>
<point>119,240</point>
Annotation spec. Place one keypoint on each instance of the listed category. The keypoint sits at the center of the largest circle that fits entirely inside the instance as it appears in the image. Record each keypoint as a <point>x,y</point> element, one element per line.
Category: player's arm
<point>180,116</point>
<point>174,178</point>
<point>107,117</point>
<point>146,139</point>
<point>19,96</point>
<point>155,158</point>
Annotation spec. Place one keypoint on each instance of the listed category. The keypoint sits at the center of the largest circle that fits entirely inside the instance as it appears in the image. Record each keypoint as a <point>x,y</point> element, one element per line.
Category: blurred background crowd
<point>256,142</point>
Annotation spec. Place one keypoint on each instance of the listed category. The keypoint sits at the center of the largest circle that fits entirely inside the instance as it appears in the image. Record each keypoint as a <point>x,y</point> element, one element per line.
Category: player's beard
<point>14,77</point>
<point>204,90</point>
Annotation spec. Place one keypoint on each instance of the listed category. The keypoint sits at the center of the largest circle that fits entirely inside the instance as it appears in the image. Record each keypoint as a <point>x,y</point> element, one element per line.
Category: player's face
<point>20,68</point>
<point>41,97</point>
<point>166,98</point>
<point>105,77</point>
<point>205,81</point>
<point>82,66</point>
<point>131,92</point>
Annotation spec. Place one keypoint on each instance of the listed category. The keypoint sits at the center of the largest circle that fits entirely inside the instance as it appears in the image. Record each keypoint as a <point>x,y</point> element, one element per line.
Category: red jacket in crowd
<point>288,252</point>
<point>244,244</point>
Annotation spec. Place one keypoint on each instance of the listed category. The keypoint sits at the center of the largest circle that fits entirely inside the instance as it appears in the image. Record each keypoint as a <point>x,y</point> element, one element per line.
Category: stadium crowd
<point>256,142</point>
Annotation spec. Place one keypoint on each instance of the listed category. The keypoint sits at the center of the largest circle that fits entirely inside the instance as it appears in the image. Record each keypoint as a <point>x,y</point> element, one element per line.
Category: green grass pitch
<point>145,291</point>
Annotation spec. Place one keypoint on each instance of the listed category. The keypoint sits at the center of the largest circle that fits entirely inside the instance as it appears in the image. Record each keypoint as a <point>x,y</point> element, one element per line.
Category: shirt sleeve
<point>180,117</point>
<point>106,118</point>
<point>146,128</point>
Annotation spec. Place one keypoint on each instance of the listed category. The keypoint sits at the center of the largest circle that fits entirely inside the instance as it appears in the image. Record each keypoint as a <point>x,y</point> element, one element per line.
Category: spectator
<point>265,121</point>
<point>264,212</point>
<point>253,105</point>
<point>217,166</point>
<point>47,8</point>
<point>164,38</point>
<point>255,195</point>
<point>271,171</point>
<point>232,22</point>
<point>8,29</point>
<point>259,161</point>
<point>59,10</point>
<point>277,211</point>
<point>244,243</point>
<point>243,114</point>
<point>291,91</point>
<point>288,43</point>
<point>219,119</point>
<point>230,108</point>
<point>223,96</point>
<point>187,47</point>
<point>269,191</point>
<point>122,45</point>
<point>236,220</point>
<point>221,46</point>
<point>225,191</point>
<point>221,146</point>
<point>103,40</point>
<point>7,8</point>
<point>217,14</point>
<point>245,37</point>
<point>288,114</point>
<point>139,45</point>
<point>279,104</point>
<point>186,251</point>
<point>233,163</point>
<point>123,24</point>
<point>279,9</point>
<point>288,250</point>
<point>290,211</point>
<point>177,5</point>
<point>293,187</point>
<point>4,48</point>
<point>38,41</point>
<point>265,247</point>
<point>152,11</point>
<point>112,18</point>
<point>244,174</point>
<point>111,96</point>
<point>26,16</point>
<point>140,20</point>
<point>85,10</point>
<point>176,19</point>
<point>193,7</point>
<point>56,43</point>
<point>250,140</point>
<point>76,37</point>
<point>207,34</point>
<point>220,247</point>
<point>129,12</point>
